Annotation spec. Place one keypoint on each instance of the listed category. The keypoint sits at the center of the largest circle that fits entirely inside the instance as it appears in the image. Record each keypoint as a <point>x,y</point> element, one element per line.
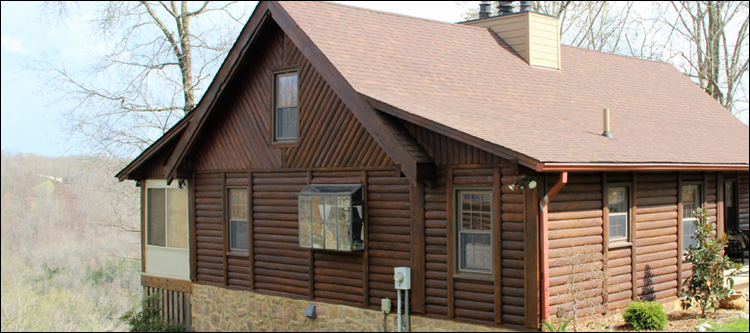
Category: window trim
<point>275,141</point>
<point>229,250</point>
<point>629,214</point>
<point>161,184</point>
<point>469,273</point>
<point>701,202</point>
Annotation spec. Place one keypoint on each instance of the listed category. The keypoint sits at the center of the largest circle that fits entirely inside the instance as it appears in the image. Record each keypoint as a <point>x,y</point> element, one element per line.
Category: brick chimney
<point>536,37</point>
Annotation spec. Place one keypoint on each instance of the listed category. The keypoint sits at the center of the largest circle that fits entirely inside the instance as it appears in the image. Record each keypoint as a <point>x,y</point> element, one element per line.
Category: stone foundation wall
<point>220,309</point>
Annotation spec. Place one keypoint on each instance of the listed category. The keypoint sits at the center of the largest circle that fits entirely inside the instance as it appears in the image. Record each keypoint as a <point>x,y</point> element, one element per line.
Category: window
<point>619,205</point>
<point>238,225</point>
<point>691,201</point>
<point>331,217</point>
<point>731,223</point>
<point>474,231</point>
<point>285,107</point>
<point>166,217</point>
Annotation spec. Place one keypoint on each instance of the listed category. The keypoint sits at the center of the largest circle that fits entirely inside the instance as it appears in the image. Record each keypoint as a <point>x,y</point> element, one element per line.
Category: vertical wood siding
<point>174,306</point>
<point>447,151</point>
<point>239,137</point>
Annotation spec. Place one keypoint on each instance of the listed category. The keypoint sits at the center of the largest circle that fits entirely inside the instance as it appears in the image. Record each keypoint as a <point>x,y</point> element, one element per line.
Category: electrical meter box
<point>402,277</point>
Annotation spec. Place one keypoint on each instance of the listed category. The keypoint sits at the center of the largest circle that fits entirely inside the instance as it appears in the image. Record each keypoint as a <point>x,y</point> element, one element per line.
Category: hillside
<point>70,254</point>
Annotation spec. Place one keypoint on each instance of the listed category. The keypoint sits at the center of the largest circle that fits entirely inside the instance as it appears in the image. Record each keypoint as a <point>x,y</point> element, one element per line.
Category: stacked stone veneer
<point>220,309</point>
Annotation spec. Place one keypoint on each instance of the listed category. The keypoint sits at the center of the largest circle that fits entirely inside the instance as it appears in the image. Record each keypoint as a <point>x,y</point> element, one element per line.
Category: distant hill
<point>70,243</point>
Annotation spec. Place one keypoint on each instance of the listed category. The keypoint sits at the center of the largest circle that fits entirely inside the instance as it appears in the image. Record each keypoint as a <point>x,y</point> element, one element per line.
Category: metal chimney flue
<point>525,6</point>
<point>485,10</point>
<point>505,7</point>
<point>606,124</point>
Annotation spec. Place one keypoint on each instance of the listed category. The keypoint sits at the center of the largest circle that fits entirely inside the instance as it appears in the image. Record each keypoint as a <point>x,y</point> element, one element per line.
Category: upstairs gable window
<point>285,107</point>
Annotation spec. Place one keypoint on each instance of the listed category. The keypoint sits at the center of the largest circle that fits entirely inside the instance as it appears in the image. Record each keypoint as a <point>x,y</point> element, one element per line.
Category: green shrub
<point>646,316</point>
<point>705,287</point>
<point>550,326</point>
<point>148,319</point>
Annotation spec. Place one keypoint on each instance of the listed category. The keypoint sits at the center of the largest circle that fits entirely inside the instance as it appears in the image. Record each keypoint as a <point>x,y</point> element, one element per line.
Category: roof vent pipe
<point>484,10</point>
<point>525,6</point>
<point>606,124</point>
<point>505,7</point>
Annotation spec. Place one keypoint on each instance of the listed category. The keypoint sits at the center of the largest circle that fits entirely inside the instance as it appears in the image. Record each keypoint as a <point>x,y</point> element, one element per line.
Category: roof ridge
<point>618,55</point>
<point>455,24</point>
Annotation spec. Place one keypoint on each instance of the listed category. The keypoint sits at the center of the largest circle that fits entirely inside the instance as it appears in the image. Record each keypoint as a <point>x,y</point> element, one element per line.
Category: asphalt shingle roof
<point>462,77</point>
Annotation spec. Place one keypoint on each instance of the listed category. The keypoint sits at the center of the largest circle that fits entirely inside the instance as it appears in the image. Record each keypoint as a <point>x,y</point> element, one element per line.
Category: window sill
<point>473,276</point>
<point>284,144</point>
<point>619,245</point>
<point>237,253</point>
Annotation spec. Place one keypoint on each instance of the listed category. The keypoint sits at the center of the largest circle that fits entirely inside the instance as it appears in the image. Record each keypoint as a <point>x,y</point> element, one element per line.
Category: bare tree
<point>587,285</point>
<point>159,58</point>
<point>716,33</point>
<point>706,40</point>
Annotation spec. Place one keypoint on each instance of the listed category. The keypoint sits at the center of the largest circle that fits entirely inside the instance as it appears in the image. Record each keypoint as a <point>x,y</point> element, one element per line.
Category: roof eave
<point>175,131</point>
<point>583,167</point>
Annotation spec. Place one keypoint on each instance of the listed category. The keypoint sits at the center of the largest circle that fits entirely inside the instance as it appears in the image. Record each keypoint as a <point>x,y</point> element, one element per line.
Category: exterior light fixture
<point>523,183</point>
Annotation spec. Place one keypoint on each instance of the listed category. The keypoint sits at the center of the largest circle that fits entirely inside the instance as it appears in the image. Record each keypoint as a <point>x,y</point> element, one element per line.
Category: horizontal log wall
<point>279,265</point>
<point>575,225</point>
<point>239,138</point>
<point>448,294</point>
<point>577,220</point>
<point>512,249</point>
<point>388,231</point>
<point>656,236</point>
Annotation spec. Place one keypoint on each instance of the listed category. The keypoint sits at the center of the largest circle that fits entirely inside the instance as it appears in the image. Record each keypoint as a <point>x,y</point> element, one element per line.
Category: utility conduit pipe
<point>544,243</point>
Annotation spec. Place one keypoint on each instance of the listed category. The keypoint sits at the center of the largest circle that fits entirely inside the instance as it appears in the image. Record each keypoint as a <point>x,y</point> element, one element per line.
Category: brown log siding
<point>657,223</point>
<point>743,200</point>
<point>240,138</point>
<point>576,219</point>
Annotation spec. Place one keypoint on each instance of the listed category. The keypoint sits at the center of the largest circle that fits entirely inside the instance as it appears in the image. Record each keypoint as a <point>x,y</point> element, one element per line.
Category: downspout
<point>544,244</point>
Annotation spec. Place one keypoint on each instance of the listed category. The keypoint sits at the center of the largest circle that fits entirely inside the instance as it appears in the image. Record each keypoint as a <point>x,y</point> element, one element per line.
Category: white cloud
<point>12,44</point>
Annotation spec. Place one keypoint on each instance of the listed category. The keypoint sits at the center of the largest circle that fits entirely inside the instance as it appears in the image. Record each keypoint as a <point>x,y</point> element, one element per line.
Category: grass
<point>734,325</point>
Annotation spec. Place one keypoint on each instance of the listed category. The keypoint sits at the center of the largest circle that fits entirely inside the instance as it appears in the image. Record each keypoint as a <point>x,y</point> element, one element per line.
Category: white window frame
<point>627,214</point>
<point>162,184</point>
<point>458,225</point>
<point>164,261</point>
<point>685,220</point>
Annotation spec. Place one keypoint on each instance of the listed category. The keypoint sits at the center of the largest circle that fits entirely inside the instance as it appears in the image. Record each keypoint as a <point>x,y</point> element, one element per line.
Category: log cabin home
<point>337,143</point>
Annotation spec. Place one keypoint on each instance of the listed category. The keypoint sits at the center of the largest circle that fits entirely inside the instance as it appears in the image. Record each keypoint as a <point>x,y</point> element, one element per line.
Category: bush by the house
<point>646,316</point>
<point>705,287</point>
<point>149,320</point>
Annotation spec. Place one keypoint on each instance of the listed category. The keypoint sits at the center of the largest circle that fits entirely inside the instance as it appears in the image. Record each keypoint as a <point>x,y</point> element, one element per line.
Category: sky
<point>32,119</point>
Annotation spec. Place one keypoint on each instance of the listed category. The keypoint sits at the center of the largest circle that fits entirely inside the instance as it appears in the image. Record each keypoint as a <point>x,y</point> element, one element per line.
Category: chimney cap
<point>484,10</point>
<point>505,7</point>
